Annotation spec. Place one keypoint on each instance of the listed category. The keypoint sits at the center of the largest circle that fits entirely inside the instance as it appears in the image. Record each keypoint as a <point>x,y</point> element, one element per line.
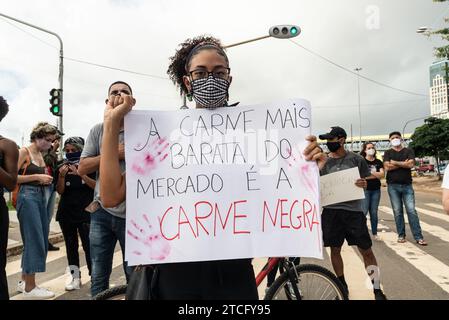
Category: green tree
<point>432,139</point>
<point>442,52</point>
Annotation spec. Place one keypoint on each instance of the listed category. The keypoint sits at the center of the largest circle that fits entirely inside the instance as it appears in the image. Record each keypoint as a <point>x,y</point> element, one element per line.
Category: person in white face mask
<point>398,162</point>
<point>372,191</point>
<point>32,209</point>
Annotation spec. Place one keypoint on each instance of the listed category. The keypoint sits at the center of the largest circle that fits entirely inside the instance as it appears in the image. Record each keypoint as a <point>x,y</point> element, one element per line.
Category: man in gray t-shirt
<point>346,220</point>
<point>108,225</point>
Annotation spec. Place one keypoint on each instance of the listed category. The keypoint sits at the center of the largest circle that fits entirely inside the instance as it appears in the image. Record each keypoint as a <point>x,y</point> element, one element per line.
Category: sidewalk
<point>15,244</point>
<point>429,184</point>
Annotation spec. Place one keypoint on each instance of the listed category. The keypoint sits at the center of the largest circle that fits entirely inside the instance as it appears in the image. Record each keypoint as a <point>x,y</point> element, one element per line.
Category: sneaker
<point>38,294</point>
<point>21,286</point>
<point>379,295</point>
<point>75,284</point>
<point>52,247</point>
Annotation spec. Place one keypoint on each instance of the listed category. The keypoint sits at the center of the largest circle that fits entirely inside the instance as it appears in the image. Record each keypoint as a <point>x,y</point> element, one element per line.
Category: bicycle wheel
<point>314,283</point>
<point>115,293</point>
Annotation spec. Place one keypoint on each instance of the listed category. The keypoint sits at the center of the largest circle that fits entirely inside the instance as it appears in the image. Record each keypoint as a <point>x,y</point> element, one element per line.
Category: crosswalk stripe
<point>57,285</point>
<point>355,267</point>
<point>435,205</point>
<point>433,214</point>
<point>15,266</point>
<point>431,267</point>
<point>436,231</point>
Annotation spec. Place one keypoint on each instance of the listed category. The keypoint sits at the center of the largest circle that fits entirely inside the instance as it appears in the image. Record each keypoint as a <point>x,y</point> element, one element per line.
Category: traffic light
<point>56,102</point>
<point>285,31</point>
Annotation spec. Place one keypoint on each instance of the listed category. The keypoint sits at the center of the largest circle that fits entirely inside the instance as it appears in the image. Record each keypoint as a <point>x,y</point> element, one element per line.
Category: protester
<point>107,225</point>
<point>77,193</point>
<point>51,162</point>
<point>201,69</point>
<point>8,178</point>
<point>445,187</point>
<point>346,220</point>
<point>372,192</point>
<point>32,209</point>
<point>398,162</point>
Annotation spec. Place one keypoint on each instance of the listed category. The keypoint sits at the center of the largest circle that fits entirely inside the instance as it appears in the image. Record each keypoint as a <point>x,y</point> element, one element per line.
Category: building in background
<point>439,89</point>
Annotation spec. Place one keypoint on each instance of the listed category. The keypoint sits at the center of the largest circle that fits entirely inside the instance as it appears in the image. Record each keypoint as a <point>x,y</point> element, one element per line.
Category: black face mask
<point>333,146</point>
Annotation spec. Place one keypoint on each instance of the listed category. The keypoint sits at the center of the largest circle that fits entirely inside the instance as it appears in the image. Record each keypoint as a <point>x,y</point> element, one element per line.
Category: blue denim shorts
<point>34,228</point>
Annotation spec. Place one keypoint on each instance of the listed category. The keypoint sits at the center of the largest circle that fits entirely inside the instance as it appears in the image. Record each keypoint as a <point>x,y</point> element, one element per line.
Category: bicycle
<point>295,282</point>
<point>301,282</point>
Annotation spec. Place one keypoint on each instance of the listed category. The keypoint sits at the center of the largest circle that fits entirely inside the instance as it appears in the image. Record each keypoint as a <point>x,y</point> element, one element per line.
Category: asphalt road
<point>408,271</point>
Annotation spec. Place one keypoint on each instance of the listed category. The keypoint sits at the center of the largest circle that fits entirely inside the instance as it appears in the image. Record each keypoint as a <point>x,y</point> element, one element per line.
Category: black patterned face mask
<point>210,92</point>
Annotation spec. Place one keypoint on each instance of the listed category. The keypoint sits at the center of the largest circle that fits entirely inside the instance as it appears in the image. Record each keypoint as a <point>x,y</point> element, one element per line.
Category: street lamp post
<point>61,60</point>
<point>360,111</point>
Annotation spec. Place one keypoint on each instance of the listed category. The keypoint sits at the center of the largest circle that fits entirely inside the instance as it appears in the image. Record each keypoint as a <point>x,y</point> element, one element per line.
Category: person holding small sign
<point>201,69</point>
<point>346,220</point>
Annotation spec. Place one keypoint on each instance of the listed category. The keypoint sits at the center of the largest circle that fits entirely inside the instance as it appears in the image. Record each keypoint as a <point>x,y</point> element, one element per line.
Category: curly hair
<point>4,108</point>
<point>180,61</point>
<point>41,130</point>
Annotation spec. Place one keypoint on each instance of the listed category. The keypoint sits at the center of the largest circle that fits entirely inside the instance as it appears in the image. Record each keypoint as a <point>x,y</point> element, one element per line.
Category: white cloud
<point>142,35</point>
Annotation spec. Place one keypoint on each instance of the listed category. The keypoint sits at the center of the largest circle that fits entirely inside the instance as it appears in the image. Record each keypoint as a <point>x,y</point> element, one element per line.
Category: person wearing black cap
<point>346,220</point>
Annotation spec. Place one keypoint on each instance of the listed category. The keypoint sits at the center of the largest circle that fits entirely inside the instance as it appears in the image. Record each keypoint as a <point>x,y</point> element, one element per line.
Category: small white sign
<point>340,187</point>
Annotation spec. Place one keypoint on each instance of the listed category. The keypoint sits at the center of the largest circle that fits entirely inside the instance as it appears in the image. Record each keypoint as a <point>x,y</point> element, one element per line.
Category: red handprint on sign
<point>148,160</point>
<point>158,247</point>
<point>304,168</point>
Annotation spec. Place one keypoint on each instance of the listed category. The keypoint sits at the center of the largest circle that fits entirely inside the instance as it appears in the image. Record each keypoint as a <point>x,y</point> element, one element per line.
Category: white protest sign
<point>340,187</point>
<point>220,184</point>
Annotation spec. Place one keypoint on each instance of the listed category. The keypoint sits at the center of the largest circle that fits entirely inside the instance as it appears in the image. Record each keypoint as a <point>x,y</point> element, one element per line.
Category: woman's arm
<point>8,175</point>
<point>112,181</point>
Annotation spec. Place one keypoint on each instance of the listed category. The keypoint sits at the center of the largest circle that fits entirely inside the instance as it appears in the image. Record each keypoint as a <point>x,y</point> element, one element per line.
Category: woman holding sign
<point>200,68</point>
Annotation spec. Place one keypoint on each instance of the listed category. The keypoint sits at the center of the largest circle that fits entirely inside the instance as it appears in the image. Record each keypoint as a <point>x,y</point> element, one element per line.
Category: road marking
<point>436,231</point>
<point>434,214</point>
<point>431,267</point>
<point>57,285</point>
<point>355,274</point>
<point>435,205</point>
<point>15,266</point>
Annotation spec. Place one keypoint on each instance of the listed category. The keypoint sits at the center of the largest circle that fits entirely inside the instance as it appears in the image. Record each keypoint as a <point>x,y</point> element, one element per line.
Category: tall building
<point>439,99</point>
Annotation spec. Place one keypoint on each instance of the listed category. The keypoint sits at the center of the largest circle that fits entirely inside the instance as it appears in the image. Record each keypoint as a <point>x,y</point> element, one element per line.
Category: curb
<point>18,248</point>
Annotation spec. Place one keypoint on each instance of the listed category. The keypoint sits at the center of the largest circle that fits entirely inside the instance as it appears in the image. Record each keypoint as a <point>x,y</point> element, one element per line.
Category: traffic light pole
<point>61,62</point>
<point>247,41</point>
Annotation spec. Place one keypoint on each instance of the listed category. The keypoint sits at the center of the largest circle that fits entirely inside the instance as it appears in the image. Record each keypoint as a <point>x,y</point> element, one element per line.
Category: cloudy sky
<point>140,35</point>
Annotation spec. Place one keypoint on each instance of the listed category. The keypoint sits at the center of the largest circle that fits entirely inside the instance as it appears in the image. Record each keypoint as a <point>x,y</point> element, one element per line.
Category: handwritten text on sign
<point>340,187</point>
<point>228,183</point>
